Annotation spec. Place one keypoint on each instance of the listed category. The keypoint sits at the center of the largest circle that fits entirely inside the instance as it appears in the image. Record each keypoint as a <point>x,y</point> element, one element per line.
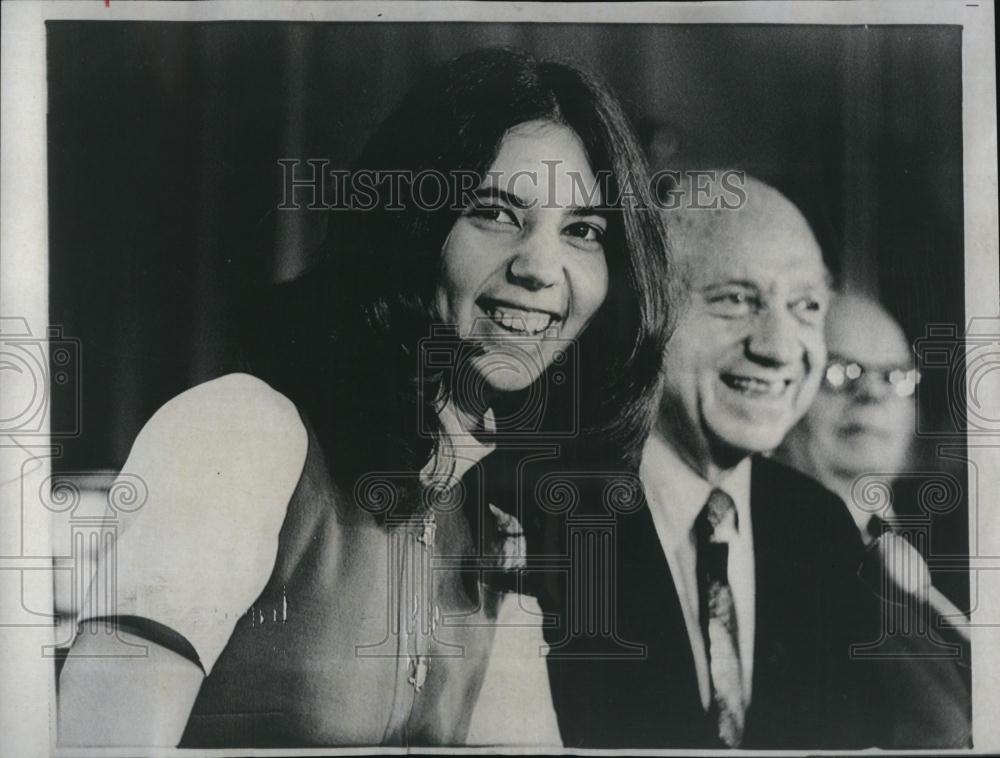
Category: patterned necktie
<point>718,619</point>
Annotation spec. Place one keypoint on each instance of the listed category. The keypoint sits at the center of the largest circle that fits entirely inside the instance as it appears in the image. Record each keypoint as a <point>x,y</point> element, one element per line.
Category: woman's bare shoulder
<point>236,399</point>
<point>236,421</point>
<point>218,465</point>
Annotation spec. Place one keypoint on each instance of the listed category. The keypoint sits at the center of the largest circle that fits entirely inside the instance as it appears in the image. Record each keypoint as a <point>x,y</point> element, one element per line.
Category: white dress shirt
<point>676,495</point>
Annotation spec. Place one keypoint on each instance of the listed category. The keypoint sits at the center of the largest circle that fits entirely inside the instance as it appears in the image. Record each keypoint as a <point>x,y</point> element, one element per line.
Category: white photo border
<point>27,708</point>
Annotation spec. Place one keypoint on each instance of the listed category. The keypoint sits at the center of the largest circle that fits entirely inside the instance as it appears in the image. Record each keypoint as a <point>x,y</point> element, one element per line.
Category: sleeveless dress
<point>320,618</point>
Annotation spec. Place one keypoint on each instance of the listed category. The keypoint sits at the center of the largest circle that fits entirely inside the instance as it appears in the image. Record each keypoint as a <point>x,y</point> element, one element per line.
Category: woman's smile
<point>517,319</point>
<point>526,267</point>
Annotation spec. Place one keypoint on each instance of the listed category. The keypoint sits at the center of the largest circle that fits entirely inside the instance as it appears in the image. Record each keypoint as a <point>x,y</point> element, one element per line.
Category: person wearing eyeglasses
<point>739,576</point>
<point>862,424</point>
<point>862,419</point>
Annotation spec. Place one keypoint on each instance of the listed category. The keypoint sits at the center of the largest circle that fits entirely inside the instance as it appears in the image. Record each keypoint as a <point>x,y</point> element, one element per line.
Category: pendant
<point>419,675</point>
<point>426,537</point>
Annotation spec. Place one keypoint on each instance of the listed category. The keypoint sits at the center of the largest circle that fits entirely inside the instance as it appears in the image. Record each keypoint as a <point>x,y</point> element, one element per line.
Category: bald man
<point>740,575</point>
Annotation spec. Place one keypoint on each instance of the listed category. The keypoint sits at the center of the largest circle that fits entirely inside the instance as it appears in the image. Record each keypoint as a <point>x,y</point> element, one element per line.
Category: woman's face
<point>523,268</point>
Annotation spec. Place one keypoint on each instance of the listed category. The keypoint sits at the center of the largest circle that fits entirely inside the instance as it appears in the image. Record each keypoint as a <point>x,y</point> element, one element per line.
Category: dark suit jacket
<point>810,606</point>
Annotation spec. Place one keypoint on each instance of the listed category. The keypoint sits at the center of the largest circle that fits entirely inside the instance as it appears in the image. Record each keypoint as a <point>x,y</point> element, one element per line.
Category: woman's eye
<point>586,232</point>
<point>493,213</point>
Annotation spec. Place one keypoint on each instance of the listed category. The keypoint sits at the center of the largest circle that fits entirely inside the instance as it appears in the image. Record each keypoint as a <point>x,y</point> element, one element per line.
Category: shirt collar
<point>677,493</point>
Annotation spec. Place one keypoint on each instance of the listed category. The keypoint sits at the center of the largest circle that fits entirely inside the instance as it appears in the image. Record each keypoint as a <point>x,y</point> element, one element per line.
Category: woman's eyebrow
<point>589,210</point>
<point>495,193</point>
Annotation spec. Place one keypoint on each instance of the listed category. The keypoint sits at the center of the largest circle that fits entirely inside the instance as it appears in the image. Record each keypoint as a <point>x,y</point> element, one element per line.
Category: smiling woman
<point>347,468</point>
<point>537,270</point>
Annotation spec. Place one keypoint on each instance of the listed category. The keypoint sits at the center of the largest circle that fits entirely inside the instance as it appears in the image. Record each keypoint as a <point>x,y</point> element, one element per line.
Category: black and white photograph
<point>538,378</point>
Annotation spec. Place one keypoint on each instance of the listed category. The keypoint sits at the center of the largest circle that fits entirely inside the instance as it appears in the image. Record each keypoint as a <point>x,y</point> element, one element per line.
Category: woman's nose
<point>535,264</point>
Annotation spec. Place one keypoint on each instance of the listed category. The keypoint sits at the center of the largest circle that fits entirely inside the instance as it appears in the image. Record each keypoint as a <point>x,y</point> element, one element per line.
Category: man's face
<point>747,355</point>
<point>866,425</point>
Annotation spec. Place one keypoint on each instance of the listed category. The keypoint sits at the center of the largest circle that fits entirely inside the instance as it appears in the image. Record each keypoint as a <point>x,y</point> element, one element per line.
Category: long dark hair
<point>354,357</point>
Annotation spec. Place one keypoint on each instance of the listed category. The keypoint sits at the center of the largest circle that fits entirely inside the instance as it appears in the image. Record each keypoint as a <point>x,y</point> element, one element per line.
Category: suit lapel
<point>650,602</point>
<point>787,658</point>
<point>775,590</point>
<point>652,615</point>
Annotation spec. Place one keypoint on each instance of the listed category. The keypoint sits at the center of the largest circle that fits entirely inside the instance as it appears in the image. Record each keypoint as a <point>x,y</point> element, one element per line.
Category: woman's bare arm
<point>109,701</point>
<point>217,466</point>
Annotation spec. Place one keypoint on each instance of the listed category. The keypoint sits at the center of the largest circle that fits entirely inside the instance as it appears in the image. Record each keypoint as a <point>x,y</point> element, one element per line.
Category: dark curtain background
<point>164,141</point>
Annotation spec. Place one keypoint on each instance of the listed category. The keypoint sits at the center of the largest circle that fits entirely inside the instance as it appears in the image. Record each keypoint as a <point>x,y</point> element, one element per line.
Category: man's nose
<point>871,387</point>
<point>774,339</point>
<point>536,263</point>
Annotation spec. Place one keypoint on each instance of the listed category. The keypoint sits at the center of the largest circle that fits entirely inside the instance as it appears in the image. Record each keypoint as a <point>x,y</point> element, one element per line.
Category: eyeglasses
<point>845,376</point>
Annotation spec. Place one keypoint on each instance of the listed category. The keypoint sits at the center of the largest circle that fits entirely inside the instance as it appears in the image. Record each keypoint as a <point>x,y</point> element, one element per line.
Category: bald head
<point>745,358</point>
<point>860,329</point>
<point>705,221</point>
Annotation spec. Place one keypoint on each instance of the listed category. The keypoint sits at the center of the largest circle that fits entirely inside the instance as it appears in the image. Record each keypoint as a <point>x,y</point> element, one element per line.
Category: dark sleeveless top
<point>373,628</point>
